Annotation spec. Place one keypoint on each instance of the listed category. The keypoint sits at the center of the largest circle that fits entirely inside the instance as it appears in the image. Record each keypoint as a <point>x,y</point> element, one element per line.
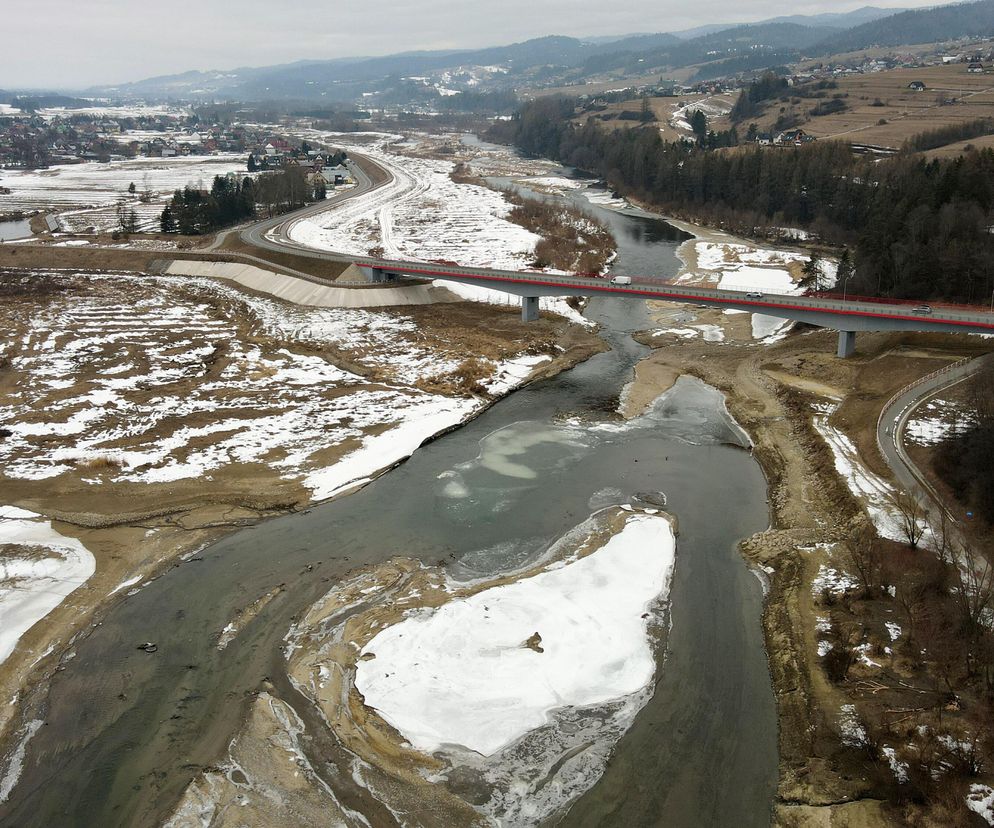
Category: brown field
<point>881,109</point>
<point>952,96</point>
<point>952,150</point>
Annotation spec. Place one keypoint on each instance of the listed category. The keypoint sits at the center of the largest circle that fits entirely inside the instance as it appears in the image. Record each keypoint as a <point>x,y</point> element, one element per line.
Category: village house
<point>793,137</point>
<point>916,86</point>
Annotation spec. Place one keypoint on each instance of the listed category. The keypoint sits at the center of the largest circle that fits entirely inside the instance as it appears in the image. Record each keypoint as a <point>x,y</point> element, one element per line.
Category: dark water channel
<point>125,730</point>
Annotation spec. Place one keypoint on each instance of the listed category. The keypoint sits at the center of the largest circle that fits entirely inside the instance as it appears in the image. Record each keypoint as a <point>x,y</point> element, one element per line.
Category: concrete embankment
<point>303,292</point>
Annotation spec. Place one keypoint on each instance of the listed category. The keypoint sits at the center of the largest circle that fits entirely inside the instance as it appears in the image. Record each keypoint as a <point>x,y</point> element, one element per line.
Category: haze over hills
<point>839,20</point>
<point>558,60</point>
<point>916,26</point>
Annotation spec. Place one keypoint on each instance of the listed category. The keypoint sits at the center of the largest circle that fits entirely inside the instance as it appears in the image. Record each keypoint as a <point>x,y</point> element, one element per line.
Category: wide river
<point>125,731</point>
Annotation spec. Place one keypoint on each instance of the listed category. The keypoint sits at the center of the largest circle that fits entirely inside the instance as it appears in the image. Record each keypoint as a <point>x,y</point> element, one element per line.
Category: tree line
<point>918,228</point>
<point>193,212</point>
<point>966,461</point>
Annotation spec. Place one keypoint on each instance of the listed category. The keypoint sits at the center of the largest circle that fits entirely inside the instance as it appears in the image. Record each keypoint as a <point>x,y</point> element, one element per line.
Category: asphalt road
<point>894,418</point>
<point>274,234</point>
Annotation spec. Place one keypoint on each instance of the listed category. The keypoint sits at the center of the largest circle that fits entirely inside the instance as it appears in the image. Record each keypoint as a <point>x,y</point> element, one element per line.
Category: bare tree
<point>913,516</point>
<point>865,555</point>
<point>911,587</point>
<point>974,598</point>
<point>146,195</point>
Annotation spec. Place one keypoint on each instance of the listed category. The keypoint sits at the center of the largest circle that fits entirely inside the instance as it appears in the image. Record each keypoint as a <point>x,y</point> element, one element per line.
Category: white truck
<point>621,280</point>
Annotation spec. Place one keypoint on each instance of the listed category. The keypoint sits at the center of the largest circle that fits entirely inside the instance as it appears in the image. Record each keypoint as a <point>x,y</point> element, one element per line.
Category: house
<point>764,139</point>
<point>335,176</point>
<point>793,136</point>
<point>917,86</point>
<point>975,68</point>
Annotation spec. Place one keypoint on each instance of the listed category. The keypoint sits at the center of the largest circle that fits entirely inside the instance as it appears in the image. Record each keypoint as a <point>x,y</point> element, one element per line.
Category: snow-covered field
<point>103,110</point>
<point>461,674</point>
<point>423,215</point>
<point>198,394</point>
<point>87,195</point>
<point>937,420</point>
<point>38,568</point>
<point>712,106</point>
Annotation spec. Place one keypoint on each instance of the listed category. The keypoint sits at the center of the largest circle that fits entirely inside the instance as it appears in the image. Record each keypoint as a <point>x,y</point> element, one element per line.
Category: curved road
<point>275,235</point>
<point>894,417</point>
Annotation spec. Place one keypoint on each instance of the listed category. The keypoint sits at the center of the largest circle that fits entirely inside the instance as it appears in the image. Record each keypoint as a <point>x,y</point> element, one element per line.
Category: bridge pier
<point>847,344</point>
<point>376,274</point>
<point>529,308</point>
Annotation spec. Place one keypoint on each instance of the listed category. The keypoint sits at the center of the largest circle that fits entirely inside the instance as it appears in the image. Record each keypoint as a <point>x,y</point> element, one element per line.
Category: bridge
<point>848,317</point>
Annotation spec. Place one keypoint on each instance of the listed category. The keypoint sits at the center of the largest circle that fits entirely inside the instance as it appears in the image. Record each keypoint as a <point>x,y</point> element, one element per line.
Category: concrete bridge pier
<point>847,344</point>
<point>529,308</point>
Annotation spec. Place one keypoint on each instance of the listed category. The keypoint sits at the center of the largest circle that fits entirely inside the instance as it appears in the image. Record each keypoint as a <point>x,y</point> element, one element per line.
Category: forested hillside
<point>918,228</point>
<point>917,26</point>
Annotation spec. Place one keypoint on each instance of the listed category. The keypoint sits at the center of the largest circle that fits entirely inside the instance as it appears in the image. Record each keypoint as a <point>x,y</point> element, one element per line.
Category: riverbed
<point>126,730</point>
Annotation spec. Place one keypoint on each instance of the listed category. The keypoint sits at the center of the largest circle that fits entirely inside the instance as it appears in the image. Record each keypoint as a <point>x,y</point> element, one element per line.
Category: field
<point>952,96</point>
<point>87,195</point>
<point>881,109</point>
<point>672,113</point>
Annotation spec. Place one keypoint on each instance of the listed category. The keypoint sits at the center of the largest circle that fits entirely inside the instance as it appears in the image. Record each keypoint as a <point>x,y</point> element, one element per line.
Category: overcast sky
<point>73,44</point>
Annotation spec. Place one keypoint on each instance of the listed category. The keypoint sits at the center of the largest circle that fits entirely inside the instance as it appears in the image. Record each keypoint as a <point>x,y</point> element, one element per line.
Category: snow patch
<point>461,674</point>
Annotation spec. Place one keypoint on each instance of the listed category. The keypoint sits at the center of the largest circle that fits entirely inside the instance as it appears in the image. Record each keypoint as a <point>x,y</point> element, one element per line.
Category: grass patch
<point>571,239</point>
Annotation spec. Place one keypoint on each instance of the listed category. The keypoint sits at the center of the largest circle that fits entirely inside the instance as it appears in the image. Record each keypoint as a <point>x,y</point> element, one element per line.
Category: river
<point>126,730</point>
<point>15,229</point>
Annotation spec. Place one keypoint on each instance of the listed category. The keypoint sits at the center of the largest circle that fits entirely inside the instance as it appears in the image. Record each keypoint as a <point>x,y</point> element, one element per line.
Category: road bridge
<point>848,317</point>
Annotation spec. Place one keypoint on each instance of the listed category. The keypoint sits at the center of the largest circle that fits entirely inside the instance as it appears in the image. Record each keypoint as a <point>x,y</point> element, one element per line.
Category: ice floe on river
<point>462,674</point>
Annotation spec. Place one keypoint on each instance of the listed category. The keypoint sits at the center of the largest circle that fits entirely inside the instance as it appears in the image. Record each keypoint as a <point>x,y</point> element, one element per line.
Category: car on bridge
<point>922,310</point>
<point>754,295</point>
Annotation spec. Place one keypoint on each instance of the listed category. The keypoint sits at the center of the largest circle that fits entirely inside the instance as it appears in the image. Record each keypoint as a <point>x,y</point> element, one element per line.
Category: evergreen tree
<point>812,271</point>
<point>699,124</point>
<point>166,220</point>
<point>252,166</point>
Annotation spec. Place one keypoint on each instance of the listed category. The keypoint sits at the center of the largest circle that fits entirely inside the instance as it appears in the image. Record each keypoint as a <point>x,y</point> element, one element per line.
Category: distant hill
<point>428,76</point>
<point>925,26</point>
<point>345,78</point>
<point>839,20</point>
<point>835,20</point>
<point>780,40</point>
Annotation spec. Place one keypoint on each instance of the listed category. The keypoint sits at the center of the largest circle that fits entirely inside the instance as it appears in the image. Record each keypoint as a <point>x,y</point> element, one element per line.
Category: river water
<point>126,730</point>
<point>15,229</point>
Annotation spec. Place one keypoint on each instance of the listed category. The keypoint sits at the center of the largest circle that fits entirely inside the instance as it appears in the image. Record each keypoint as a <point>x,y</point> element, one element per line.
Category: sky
<point>71,44</point>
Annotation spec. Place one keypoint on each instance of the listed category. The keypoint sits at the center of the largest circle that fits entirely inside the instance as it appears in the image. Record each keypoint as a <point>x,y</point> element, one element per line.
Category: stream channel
<point>125,731</point>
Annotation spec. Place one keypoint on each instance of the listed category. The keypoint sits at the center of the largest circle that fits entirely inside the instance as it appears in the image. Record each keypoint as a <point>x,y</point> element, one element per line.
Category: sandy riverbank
<point>775,391</point>
<point>234,408</point>
<point>464,700</point>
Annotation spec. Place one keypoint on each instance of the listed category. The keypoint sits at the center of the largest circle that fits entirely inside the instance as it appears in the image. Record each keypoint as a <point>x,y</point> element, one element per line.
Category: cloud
<point>67,44</point>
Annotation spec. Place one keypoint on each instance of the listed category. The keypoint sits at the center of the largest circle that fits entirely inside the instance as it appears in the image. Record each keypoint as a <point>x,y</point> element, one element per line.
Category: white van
<point>621,280</point>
